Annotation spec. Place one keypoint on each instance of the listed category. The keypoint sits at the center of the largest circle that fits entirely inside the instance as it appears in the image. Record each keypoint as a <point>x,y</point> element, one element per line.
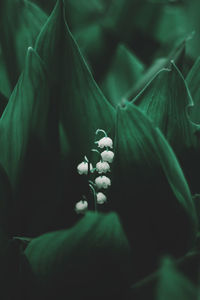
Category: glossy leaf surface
<point>149,189</point>
<point>89,260</point>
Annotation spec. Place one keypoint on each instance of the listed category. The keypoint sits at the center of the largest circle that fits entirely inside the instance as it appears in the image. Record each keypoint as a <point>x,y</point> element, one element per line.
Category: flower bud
<point>81,206</point>
<point>105,142</point>
<point>102,182</point>
<point>83,168</point>
<point>107,156</point>
<point>102,167</point>
<point>101,198</point>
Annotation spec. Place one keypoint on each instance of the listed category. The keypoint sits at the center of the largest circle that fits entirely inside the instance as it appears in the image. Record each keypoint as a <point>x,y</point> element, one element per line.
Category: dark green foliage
<point>90,260</point>
<point>130,68</point>
<point>20,23</point>
<point>150,191</point>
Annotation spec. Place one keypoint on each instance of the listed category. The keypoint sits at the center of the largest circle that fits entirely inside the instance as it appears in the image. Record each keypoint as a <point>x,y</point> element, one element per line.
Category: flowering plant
<point>100,182</point>
<point>124,222</point>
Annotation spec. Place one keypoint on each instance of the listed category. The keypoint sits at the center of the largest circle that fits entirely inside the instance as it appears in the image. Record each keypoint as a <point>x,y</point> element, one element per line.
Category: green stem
<point>101,130</point>
<point>94,195</point>
<point>95,150</point>
<point>86,159</point>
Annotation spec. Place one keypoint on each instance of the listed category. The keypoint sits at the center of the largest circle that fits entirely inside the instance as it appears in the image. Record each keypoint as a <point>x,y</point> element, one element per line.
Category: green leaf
<point>42,153</point>
<point>160,100</point>
<point>123,74</point>
<point>89,260</point>
<point>193,80</point>
<point>149,191</point>
<point>30,156</point>
<point>20,23</point>
<point>163,61</point>
<point>81,104</point>
<point>173,285</point>
<point>167,100</point>
<point>24,109</point>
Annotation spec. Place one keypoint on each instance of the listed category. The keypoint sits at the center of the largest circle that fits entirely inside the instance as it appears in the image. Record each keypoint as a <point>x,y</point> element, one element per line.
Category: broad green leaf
<point>173,285</point>
<point>24,110</point>
<point>123,74</point>
<point>87,261</point>
<point>163,61</point>
<point>20,23</point>
<point>147,77</point>
<point>167,100</point>
<point>82,106</point>
<point>149,191</point>
<point>193,81</point>
<point>30,154</point>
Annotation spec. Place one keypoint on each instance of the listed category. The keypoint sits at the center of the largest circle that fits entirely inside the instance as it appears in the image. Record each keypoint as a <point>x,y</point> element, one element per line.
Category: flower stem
<point>95,150</point>
<point>86,159</point>
<point>94,195</point>
<point>101,130</point>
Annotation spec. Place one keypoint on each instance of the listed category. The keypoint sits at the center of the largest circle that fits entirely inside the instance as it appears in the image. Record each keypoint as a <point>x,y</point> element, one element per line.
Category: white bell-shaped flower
<point>102,167</point>
<point>105,142</point>
<point>107,155</point>
<point>102,182</point>
<point>101,198</point>
<point>81,206</point>
<point>82,168</point>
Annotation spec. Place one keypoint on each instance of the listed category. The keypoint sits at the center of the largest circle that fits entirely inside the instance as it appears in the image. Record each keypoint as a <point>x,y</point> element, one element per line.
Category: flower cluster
<point>102,167</point>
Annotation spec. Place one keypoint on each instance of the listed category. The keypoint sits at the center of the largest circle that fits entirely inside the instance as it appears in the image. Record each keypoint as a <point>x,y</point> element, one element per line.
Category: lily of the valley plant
<point>102,166</point>
<point>99,150</point>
